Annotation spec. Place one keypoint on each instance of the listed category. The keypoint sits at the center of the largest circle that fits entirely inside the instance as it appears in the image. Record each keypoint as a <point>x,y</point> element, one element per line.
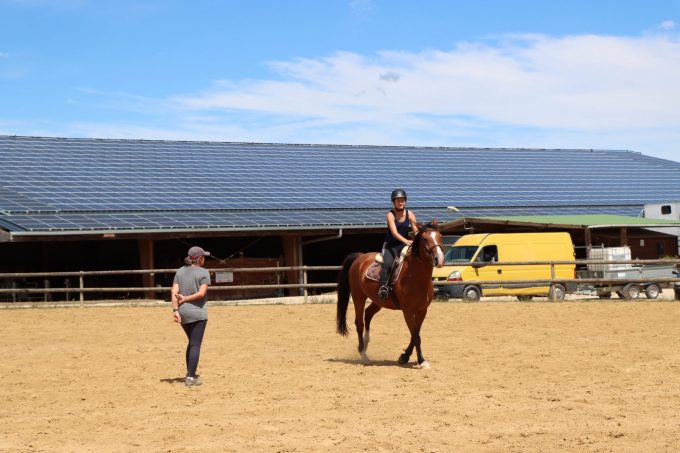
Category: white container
<point>609,254</point>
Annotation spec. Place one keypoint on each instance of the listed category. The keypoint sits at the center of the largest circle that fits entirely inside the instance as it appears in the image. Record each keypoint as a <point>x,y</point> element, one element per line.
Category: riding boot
<point>383,289</point>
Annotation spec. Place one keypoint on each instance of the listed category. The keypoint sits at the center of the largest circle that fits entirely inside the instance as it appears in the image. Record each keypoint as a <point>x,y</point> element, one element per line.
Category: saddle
<point>373,271</point>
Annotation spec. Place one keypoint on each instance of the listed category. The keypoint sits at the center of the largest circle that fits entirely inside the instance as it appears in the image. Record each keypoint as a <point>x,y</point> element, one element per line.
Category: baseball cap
<point>195,252</point>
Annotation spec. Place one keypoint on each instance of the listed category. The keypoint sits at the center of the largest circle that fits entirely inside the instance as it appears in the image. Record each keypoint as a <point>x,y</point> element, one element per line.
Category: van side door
<point>487,270</point>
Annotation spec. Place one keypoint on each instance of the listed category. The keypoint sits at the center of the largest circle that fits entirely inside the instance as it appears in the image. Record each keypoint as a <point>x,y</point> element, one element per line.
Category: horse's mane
<point>429,226</point>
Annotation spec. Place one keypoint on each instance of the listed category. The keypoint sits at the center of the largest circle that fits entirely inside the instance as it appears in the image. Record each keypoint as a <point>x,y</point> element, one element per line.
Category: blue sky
<point>539,74</point>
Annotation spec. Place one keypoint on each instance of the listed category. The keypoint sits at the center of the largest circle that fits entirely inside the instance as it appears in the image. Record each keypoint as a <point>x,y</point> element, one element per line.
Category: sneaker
<point>383,292</point>
<point>192,381</point>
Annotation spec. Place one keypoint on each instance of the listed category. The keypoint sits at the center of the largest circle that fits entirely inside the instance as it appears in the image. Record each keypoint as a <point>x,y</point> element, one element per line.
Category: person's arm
<point>414,224</point>
<point>393,229</point>
<point>198,295</point>
<point>174,292</point>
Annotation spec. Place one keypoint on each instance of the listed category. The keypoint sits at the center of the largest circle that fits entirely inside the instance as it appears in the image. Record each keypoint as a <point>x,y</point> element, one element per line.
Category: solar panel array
<point>56,184</point>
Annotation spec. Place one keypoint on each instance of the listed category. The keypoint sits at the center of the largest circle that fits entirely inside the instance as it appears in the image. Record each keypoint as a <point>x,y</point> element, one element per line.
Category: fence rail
<point>82,289</point>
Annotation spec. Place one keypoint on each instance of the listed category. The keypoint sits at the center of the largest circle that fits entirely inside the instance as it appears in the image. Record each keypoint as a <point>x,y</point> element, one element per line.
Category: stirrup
<point>383,292</point>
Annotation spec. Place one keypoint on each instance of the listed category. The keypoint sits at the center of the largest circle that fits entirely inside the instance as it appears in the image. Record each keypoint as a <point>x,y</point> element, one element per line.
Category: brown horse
<point>411,293</point>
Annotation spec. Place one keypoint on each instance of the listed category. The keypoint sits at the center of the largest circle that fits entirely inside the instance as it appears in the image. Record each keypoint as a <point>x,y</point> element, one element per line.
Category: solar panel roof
<point>59,184</point>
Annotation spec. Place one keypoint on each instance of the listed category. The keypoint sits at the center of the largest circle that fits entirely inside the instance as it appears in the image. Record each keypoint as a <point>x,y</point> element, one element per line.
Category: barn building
<point>91,204</point>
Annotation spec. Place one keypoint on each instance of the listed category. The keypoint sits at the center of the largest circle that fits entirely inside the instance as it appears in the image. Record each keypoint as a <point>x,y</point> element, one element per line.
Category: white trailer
<point>631,278</point>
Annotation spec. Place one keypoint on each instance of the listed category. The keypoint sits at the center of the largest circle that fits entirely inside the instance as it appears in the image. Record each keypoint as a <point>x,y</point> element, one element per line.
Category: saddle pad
<point>373,271</point>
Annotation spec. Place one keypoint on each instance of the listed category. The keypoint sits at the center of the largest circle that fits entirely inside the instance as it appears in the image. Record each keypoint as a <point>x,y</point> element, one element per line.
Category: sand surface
<point>505,376</point>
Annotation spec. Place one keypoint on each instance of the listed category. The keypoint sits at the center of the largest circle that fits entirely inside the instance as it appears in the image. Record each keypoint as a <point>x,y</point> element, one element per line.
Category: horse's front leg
<point>422,363</point>
<point>410,319</point>
<point>420,317</point>
<point>404,358</point>
<point>414,322</point>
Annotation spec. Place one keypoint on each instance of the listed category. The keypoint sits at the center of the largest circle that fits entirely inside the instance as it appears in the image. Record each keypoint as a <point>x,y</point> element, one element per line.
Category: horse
<point>411,293</point>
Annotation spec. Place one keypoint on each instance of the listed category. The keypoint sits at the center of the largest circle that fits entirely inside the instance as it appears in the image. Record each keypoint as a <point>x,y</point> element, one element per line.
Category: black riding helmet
<point>399,193</point>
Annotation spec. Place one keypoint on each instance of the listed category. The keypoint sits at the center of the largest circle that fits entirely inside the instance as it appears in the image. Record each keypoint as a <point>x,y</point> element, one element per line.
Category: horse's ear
<point>419,225</point>
<point>434,223</point>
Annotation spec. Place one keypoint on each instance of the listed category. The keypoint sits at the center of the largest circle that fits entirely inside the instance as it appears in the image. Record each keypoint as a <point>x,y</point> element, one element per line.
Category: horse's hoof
<point>364,356</point>
<point>424,366</point>
<point>403,360</point>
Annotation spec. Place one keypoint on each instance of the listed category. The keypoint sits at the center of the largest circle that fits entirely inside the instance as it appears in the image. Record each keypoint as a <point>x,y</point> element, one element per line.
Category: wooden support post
<point>81,285</point>
<point>146,261</point>
<point>623,233</point>
<point>291,257</point>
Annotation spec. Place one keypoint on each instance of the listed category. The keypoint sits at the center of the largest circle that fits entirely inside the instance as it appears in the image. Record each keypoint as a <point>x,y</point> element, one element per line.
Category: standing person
<point>399,221</point>
<point>189,296</point>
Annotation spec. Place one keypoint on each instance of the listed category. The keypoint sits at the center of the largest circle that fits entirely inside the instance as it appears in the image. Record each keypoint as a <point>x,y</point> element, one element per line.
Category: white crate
<point>609,254</point>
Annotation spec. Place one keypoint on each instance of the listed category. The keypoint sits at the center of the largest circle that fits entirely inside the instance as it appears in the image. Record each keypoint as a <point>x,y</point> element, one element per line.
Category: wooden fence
<point>16,291</point>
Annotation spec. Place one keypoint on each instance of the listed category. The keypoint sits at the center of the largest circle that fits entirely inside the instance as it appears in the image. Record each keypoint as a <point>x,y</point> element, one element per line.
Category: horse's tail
<point>344,293</point>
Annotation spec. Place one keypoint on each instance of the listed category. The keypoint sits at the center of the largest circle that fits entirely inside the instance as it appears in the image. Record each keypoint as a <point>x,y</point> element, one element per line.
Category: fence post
<point>552,272</point>
<point>82,285</point>
<point>552,282</point>
<point>304,281</point>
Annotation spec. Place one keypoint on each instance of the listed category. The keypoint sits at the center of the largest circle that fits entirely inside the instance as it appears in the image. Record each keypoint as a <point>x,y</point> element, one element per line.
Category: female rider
<point>399,221</point>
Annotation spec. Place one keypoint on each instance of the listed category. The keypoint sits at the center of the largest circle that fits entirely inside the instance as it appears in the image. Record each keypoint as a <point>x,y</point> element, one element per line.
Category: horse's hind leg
<point>371,310</point>
<point>359,304</point>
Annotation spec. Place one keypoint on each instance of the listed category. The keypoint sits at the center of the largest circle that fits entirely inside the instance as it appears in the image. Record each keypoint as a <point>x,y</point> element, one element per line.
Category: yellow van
<point>474,258</point>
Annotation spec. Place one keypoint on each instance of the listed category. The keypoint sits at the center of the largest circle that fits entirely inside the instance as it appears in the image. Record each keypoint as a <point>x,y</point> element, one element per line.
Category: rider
<point>399,221</point>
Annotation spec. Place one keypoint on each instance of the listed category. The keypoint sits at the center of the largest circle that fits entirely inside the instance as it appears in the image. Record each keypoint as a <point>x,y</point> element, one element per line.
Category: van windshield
<point>460,254</point>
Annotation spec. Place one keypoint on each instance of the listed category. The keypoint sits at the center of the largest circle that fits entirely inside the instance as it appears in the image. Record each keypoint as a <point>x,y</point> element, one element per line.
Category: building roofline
<point>318,145</point>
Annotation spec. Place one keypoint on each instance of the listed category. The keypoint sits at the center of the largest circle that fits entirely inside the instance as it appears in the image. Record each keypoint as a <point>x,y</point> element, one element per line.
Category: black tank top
<point>403,229</point>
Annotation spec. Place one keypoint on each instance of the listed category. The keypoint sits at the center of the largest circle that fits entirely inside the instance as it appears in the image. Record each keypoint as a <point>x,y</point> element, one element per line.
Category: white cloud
<point>585,91</point>
<point>360,7</point>
<point>667,25</point>
<point>585,83</point>
<point>4,55</point>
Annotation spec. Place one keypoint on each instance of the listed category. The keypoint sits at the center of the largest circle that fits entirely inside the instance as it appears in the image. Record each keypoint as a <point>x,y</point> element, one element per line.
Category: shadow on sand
<point>392,363</point>
<point>174,380</point>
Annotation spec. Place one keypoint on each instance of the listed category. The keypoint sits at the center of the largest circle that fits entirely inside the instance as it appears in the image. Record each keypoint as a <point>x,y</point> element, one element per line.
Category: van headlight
<point>454,276</point>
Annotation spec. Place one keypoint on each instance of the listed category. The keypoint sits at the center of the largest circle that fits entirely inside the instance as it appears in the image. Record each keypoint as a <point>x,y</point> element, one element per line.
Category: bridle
<point>429,250</point>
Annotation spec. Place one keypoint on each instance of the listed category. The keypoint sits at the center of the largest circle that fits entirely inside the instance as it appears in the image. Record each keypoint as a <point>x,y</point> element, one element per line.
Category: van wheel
<point>557,292</point>
<point>524,298</point>
<point>471,293</point>
<point>652,291</point>
<point>630,291</point>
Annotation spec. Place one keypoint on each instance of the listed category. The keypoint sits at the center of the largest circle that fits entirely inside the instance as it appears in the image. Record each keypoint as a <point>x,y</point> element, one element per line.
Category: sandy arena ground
<point>506,376</point>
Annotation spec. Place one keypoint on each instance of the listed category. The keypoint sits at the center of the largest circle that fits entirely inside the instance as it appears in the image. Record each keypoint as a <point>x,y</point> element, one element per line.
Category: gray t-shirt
<point>190,279</point>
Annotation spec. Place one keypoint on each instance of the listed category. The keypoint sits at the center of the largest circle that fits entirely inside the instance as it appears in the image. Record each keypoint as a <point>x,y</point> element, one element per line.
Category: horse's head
<point>428,244</point>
